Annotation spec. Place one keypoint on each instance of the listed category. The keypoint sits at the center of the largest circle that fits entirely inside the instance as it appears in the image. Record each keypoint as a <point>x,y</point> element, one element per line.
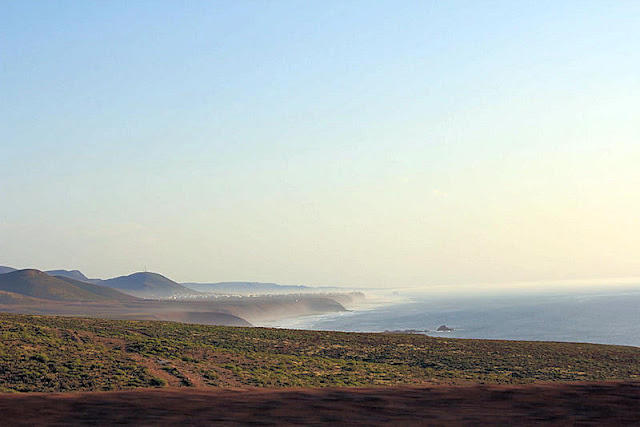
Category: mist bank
<point>248,288</point>
<point>232,311</point>
<point>522,288</point>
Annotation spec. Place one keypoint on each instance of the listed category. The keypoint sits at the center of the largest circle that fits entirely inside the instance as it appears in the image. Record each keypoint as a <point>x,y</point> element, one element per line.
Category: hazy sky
<point>327,143</point>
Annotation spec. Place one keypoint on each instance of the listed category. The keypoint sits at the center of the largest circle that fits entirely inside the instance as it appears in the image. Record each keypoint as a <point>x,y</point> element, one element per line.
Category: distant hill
<point>71,274</point>
<point>37,284</point>
<point>148,285</point>
<point>4,269</point>
<point>247,288</point>
<point>154,285</point>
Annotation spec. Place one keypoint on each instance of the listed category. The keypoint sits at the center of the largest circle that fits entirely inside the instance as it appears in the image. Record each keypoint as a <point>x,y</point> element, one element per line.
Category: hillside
<point>42,353</point>
<point>36,284</point>
<point>12,298</point>
<point>148,285</point>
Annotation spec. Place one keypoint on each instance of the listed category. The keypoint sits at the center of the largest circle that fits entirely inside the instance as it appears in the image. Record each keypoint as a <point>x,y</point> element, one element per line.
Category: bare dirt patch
<point>612,403</point>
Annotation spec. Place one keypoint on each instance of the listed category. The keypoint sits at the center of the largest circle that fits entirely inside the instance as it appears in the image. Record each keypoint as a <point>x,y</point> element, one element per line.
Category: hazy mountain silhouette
<point>154,285</point>
<point>37,284</point>
<point>4,269</point>
<point>148,285</point>
<point>247,288</point>
<point>36,292</point>
<point>71,274</point>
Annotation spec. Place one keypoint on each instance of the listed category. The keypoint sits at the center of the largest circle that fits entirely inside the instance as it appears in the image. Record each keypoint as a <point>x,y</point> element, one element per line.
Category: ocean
<point>594,316</point>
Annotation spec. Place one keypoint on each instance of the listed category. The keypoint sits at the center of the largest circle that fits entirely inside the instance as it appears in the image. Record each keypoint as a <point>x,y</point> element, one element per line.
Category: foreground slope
<point>42,353</point>
<point>36,284</point>
<point>549,404</point>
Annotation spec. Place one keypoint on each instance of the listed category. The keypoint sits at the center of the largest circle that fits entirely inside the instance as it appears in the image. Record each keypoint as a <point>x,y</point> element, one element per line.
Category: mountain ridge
<point>37,284</point>
<point>148,285</point>
<point>155,285</point>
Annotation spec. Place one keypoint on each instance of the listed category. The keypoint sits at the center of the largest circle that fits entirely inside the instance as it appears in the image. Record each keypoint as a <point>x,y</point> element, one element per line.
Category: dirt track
<point>558,404</point>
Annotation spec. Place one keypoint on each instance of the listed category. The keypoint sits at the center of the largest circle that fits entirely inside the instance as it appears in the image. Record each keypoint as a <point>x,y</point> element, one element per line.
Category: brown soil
<point>615,403</point>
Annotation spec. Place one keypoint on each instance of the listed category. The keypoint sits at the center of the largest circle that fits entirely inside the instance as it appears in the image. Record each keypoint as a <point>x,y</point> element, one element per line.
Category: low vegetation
<point>47,353</point>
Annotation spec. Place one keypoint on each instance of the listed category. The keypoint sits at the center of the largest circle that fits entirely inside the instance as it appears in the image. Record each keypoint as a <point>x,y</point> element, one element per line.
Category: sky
<point>357,143</point>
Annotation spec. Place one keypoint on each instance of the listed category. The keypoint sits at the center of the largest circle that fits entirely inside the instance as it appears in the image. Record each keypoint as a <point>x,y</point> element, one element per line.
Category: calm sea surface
<point>598,317</point>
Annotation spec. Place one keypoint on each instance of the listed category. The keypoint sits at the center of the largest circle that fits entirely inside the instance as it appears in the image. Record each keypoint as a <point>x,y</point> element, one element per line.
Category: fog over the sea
<point>322,143</point>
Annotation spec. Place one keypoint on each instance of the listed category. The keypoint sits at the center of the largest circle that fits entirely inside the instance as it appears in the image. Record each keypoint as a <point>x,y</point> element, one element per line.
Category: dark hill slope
<point>104,291</point>
<point>71,274</point>
<point>12,298</point>
<point>148,285</point>
<point>36,284</point>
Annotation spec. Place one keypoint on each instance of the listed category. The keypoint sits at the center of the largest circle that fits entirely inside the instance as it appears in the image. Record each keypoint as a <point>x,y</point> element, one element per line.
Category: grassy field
<point>46,353</point>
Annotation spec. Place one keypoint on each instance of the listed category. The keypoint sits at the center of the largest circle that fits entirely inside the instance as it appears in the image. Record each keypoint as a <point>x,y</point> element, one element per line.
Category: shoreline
<point>305,322</point>
<point>604,317</point>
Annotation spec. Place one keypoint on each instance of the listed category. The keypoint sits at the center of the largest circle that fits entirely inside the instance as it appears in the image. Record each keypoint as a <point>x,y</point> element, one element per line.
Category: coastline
<point>605,317</point>
<point>369,303</point>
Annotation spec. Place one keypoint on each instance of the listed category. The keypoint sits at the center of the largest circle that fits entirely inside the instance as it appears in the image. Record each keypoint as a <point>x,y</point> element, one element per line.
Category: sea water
<point>595,316</point>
